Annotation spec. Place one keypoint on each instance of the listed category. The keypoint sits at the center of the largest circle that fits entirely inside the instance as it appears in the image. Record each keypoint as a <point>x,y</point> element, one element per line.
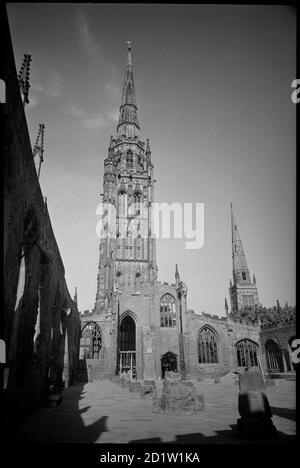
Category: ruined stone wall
<point>282,335</point>
<point>37,306</point>
<point>228,333</point>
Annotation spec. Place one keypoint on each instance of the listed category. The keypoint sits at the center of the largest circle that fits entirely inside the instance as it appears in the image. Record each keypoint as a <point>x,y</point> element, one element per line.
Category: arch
<point>208,345</point>
<point>168,363</point>
<point>246,353</point>
<point>90,341</point>
<point>167,311</point>
<point>127,345</point>
<point>274,356</point>
<point>122,202</point>
<point>129,159</point>
<point>127,331</point>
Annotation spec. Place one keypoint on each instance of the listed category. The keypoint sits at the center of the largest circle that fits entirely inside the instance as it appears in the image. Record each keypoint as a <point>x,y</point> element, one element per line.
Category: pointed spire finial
<point>23,78</point>
<point>129,59</point>
<point>110,149</point>
<point>148,150</point>
<point>39,146</point>
<point>128,124</point>
<point>75,296</point>
<point>226,307</point>
<point>177,277</point>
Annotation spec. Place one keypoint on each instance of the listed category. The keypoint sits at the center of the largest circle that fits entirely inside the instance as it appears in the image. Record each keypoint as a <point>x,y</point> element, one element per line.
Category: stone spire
<point>128,124</point>
<point>240,268</point>
<point>177,277</point>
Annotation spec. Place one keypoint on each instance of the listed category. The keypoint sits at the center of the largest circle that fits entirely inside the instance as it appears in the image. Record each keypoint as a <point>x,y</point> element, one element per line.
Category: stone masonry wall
<point>41,324</point>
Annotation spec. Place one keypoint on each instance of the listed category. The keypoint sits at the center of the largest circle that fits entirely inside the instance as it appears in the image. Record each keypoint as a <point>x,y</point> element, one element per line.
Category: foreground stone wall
<point>41,324</point>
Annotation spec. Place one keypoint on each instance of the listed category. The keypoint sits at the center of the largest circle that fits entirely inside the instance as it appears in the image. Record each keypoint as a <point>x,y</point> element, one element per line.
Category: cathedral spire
<point>128,124</point>
<point>177,277</point>
<point>240,269</point>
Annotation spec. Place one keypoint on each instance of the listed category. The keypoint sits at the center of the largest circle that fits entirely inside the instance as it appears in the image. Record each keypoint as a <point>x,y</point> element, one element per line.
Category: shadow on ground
<point>221,437</point>
<point>286,413</point>
<point>60,424</point>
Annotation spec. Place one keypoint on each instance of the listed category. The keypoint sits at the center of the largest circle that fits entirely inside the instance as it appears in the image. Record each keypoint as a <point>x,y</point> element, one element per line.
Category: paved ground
<point>104,412</point>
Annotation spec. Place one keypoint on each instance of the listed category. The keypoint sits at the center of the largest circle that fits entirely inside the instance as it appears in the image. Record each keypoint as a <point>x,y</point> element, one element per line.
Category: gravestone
<point>253,406</point>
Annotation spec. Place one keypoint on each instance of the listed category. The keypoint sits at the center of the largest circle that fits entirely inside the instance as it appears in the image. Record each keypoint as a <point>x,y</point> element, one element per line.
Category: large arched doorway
<point>168,363</point>
<point>246,353</point>
<point>127,346</point>
<point>274,357</point>
<point>90,341</point>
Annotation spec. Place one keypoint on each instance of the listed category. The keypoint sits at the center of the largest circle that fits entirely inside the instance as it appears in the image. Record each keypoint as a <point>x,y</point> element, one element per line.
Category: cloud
<point>88,43</point>
<point>51,87</point>
<point>96,121</point>
<point>114,116</point>
<point>112,90</point>
<point>54,86</point>
<point>91,121</point>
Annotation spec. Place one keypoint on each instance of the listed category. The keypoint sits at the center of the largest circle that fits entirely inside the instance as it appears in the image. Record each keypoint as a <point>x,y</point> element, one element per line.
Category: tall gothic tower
<point>243,292</point>
<point>127,246</point>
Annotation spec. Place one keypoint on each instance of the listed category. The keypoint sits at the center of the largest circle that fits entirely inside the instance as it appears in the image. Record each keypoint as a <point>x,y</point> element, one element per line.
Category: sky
<point>213,87</point>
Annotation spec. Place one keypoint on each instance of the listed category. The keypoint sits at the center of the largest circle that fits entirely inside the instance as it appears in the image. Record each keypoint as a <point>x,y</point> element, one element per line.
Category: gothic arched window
<point>207,346</point>
<point>246,352</point>
<point>244,275</point>
<point>167,311</point>
<point>137,198</point>
<point>274,357</point>
<point>129,159</point>
<point>122,203</point>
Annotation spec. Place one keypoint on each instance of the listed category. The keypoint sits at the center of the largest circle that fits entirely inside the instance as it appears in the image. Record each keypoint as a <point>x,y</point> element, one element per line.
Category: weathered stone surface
<point>172,376</point>
<point>135,387</point>
<point>41,323</point>
<point>253,406</point>
<point>251,380</point>
<point>156,402</point>
<point>148,388</point>
<point>180,397</point>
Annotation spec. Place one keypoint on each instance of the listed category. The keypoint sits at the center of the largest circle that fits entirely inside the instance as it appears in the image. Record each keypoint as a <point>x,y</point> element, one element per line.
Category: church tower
<point>127,247</point>
<point>243,291</point>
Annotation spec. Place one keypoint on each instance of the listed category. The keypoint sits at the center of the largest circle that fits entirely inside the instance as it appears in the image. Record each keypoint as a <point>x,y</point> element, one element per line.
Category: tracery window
<point>167,311</point>
<point>207,346</point>
<point>274,357</point>
<point>91,341</point>
<point>246,351</point>
<point>129,159</point>
<point>122,203</point>
<point>244,275</point>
